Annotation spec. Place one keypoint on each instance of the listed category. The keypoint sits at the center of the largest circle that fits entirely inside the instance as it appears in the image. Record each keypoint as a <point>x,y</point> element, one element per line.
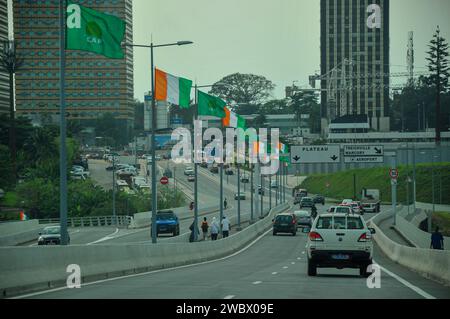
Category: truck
<point>370,200</point>
<point>298,194</point>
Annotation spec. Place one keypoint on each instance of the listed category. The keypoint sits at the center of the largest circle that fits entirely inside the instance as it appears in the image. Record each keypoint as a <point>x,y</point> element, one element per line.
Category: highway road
<point>272,267</point>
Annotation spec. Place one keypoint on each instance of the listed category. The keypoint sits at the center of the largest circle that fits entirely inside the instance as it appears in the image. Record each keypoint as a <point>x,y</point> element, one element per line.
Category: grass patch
<point>442,220</point>
<point>341,183</point>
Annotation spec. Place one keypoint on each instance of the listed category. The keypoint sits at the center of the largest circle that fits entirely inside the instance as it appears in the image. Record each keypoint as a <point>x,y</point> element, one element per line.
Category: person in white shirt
<point>214,229</point>
<point>225,227</point>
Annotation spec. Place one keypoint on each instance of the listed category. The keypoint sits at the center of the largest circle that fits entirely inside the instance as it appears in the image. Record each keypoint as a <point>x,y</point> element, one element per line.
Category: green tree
<point>440,69</point>
<point>243,89</point>
<point>306,102</point>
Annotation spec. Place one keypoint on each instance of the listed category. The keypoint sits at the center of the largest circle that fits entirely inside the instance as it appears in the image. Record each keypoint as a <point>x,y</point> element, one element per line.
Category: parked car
<point>319,199</point>
<point>339,241</point>
<point>304,218</point>
<point>188,171</point>
<point>51,235</point>
<point>357,208</point>
<point>245,178</point>
<point>306,202</point>
<point>285,223</point>
<point>167,223</point>
<point>214,169</point>
<point>191,178</point>
<point>274,184</point>
<point>204,164</point>
<point>229,172</point>
<point>240,195</point>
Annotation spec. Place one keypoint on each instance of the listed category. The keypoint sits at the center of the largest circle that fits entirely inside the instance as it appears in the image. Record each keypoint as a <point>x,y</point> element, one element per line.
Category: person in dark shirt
<point>437,240</point>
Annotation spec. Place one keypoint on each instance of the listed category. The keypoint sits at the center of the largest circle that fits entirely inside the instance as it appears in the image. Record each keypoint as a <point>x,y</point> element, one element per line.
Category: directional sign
<point>363,150</point>
<point>164,180</point>
<point>364,159</point>
<point>315,154</point>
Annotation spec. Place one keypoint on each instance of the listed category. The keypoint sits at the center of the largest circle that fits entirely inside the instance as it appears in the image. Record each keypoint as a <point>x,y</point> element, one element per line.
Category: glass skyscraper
<point>4,77</point>
<point>94,84</point>
<point>355,61</point>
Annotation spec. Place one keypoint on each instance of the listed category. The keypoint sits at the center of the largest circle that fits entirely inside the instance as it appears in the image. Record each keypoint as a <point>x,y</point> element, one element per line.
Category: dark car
<point>204,164</point>
<point>51,235</point>
<point>167,223</point>
<point>214,169</point>
<point>306,202</point>
<point>285,223</point>
<point>304,218</point>
<point>168,173</point>
<point>229,172</point>
<point>319,199</point>
<point>167,156</point>
<point>260,190</point>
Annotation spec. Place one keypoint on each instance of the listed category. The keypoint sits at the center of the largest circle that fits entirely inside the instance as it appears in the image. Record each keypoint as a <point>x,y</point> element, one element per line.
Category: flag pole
<point>195,168</point>
<point>62,127</point>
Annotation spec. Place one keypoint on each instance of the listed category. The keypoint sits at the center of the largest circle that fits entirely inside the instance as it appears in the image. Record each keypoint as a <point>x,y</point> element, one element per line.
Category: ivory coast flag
<point>232,119</point>
<point>172,89</point>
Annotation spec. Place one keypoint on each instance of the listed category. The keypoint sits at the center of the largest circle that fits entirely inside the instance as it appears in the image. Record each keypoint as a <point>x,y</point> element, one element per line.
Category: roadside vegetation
<point>341,183</point>
<point>36,191</point>
<point>442,220</point>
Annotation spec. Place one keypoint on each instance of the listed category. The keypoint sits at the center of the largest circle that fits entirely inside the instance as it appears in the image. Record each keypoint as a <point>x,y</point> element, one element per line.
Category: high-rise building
<point>4,77</point>
<point>355,61</point>
<point>95,85</point>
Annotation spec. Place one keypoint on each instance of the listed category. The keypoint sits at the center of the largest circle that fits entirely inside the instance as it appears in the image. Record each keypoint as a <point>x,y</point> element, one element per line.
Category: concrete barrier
<point>26,269</point>
<point>15,233</point>
<point>428,262</point>
<point>416,236</point>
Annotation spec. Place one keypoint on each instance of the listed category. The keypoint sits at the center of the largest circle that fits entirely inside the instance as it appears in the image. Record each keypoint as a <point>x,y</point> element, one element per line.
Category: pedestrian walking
<point>192,228</point>
<point>437,240</point>
<point>225,204</point>
<point>204,227</point>
<point>214,229</point>
<point>225,227</point>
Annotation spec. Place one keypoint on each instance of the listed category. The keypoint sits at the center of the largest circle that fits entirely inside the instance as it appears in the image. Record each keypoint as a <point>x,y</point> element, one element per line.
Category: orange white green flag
<point>173,89</point>
<point>232,119</point>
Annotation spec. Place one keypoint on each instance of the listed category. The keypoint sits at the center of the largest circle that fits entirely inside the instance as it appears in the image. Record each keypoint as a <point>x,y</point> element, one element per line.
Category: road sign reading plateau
<point>315,154</point>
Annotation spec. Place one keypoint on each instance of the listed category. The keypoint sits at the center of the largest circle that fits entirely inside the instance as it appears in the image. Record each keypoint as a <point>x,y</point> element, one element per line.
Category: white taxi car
<point>339,241</point>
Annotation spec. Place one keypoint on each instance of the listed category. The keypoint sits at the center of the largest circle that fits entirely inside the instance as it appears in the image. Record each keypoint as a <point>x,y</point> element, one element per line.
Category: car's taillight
<point>365,237</point>
<point>314,236</point>
<point>294,221</point>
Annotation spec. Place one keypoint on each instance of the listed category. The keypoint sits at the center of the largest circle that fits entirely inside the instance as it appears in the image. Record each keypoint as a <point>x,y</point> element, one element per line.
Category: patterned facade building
<point>95,85</point>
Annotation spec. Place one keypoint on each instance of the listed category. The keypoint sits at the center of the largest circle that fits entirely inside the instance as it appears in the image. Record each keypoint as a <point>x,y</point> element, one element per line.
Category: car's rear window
<point>284,219</point>
<point>344,210</point>
<point>339,223</point>
<point>165,216</point>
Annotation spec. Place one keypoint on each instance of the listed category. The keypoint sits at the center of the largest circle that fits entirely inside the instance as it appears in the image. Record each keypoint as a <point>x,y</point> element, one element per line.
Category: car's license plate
<point>340,257</point>
<point>283,225</point>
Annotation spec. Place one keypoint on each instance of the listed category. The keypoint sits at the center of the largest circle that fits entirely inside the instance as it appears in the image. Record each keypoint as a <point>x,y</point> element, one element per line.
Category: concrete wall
<point>428,262</point>
<point>416,236</point>
<point>14,233</point>
<point>24,269</point>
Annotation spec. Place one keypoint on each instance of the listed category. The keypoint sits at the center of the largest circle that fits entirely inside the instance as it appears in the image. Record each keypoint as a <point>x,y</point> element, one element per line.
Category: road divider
<point>28,269</point>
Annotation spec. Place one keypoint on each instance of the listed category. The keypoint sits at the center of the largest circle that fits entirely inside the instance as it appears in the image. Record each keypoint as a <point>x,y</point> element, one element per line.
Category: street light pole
<point>114,187</point>
<point>153,131</point>
<point>239,199</point>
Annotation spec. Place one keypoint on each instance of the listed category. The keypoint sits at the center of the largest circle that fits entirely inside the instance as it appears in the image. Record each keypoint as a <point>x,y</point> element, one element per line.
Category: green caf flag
<point>210,105</point>
<point>94,31</point>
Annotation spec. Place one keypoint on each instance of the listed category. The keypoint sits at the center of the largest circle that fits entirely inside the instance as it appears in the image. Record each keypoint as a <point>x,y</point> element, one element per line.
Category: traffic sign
<point>364,159</point>
<point>315,154</point>
<point>393,173</point>
<point>164,180</point>
<point>363,150</point>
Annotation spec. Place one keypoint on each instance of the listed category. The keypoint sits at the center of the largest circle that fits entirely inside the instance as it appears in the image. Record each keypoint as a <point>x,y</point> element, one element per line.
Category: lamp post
<point>11,62</point>
<point>153,140</point>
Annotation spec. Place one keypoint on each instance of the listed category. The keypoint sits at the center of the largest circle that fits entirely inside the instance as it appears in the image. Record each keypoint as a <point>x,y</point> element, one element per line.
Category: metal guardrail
<point>92,221</point>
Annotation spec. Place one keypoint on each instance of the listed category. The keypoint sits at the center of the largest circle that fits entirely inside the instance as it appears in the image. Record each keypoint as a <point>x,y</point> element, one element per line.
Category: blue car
<point>167,223</point>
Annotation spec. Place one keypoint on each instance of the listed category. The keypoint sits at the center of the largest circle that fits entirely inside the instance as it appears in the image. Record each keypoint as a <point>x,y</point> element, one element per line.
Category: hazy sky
<point>279,39</point>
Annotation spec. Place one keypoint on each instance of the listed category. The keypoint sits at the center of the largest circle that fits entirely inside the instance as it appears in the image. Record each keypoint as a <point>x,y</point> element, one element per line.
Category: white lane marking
<point>274,273</point>
<point>298,258</point>
<point>303,252</point>
<point>293,263</point>
<point>149,272</point>
<point>406,283</point>
<point>257,282</point>
<point>229,297</point>
<point>285,267</point>
<point>108,237</point>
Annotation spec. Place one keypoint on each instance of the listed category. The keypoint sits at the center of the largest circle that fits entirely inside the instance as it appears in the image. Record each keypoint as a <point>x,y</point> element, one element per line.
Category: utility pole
<point>239,198</point>
<point>252,190</point>
<point>114,187</point>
